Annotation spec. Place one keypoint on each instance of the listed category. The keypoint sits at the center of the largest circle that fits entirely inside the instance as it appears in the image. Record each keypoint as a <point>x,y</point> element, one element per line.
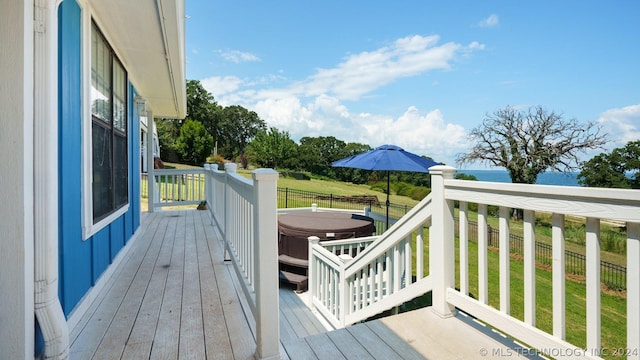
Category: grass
<point>613,308</point>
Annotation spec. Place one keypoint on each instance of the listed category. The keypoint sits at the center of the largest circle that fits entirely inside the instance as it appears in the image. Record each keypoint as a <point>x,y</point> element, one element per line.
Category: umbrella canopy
<point>387,158</point>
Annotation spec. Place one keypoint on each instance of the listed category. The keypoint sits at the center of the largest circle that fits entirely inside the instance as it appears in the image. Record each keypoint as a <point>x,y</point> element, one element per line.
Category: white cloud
<point>491,21</point>
<point>315,106</point>
<point>358,74</point>
<point>362,73</point>
<point>424,134</point>
<point>238,56</point>
<point>623,125</point>
<point>219,86</point>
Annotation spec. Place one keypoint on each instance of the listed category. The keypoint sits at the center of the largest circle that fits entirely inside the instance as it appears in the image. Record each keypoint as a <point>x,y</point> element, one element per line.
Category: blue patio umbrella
<point>387,158</point>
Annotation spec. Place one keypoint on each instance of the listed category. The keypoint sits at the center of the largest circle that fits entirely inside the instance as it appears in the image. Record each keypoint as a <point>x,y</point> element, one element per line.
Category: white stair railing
<point>347,286</point>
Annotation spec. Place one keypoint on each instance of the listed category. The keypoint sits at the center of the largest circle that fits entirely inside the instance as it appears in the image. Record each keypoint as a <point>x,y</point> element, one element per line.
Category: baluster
<point>464,247</point>
<point>529,268</point>
<point>505,294</point>
<point>558,276</point>
<point>593,283</point>
<point>408,270</point>
<point>420,253</point>
<point>483,278</point>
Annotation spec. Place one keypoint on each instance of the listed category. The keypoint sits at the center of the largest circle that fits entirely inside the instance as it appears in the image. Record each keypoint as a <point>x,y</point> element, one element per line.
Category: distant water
<point>546,178</point>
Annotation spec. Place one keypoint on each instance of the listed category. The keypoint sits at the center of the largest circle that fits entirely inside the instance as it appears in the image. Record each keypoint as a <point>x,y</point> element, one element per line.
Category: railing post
<point>266,263</point>
<point>313,240</point>
<point>343,299</point>
<point>633,287</point>
<point>441,241</point>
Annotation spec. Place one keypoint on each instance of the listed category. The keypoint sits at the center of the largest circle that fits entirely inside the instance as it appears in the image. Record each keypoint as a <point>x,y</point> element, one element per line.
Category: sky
<point>419,74</point>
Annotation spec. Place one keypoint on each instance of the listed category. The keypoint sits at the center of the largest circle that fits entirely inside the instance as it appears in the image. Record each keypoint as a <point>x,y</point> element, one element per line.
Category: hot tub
<point>294,230</point>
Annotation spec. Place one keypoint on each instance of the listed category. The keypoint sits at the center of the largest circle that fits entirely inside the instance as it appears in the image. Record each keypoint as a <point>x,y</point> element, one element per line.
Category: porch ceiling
<point>149,38</point>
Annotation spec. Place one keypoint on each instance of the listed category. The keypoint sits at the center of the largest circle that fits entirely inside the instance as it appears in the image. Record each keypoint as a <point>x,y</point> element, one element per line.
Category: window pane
<point>102,179</point>
<point>119,97</point>
<point>100,77</point>
<point>109,85</point>
<point>121,177</point>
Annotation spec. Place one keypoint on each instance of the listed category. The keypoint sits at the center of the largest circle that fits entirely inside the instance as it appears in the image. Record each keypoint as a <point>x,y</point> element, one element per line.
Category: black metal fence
<point>612,275</point>
<point>291,198</point>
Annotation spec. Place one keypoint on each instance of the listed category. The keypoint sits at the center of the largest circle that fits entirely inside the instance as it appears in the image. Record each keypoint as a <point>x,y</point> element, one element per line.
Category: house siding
<point>82,262</point>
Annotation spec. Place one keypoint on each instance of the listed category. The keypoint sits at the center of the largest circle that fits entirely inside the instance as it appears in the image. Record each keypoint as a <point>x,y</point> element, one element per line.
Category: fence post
<point>441,240</point>
<point>266,263</point>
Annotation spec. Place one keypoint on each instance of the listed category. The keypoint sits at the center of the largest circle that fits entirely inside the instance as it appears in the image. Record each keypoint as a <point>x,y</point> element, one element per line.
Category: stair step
<point>300,281</point>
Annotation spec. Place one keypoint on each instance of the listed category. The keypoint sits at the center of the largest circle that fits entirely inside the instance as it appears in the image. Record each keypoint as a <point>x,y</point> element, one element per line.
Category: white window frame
<point>89,228</point>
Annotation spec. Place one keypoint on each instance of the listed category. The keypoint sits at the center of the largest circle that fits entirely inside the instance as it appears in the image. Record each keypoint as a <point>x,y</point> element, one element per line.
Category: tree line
<point>525,142</point>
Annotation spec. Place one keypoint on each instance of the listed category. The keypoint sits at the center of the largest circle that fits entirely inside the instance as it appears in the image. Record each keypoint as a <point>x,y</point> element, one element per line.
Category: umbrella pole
<point>388,190</point>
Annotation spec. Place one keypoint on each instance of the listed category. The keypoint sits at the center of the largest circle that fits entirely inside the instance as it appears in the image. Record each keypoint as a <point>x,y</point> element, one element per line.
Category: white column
<point>16,216</point>
<point>151,181</point>
<point>441,241</point>
<point>266,249</point>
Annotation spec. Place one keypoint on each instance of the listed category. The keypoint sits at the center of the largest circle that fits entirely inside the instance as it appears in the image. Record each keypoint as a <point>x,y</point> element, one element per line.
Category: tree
<point>237,127</point>
<point>618,169</point>
<point>273,149</point>
<point>168,133</point>
<point>317,153</point>
<point>202,107</point>
<point>530,142</point>
<point>194,142</point>
<point>353,175</point>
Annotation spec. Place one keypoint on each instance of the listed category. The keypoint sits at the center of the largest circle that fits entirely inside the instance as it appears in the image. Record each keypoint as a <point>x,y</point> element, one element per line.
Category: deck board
<point>349,345</point>
<point>217,343</point>
<point>174,297</point>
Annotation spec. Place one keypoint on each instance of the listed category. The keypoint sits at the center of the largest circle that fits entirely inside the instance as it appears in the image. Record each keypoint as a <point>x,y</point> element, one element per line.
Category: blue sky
<point>418,74</point>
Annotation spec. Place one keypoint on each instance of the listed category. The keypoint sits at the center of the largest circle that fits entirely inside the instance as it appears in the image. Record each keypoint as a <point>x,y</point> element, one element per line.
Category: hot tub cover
<point>294,230</point>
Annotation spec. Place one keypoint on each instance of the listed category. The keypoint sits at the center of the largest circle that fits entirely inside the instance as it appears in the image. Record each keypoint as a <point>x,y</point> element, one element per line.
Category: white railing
<point>174,187</point>
<point>591,204</point>
<point>378,278</point>
<point>245,214</point>
<point>348,286</point>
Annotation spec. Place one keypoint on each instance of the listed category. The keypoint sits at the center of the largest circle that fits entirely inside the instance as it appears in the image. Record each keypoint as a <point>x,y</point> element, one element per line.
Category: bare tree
<point>530,142</point>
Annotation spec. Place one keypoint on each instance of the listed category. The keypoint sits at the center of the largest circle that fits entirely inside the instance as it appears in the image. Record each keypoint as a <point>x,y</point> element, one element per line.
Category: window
<point>110,176</point>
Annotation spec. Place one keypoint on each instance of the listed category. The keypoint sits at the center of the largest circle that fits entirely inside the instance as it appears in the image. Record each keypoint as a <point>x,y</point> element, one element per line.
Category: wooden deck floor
<point>174,297</point>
